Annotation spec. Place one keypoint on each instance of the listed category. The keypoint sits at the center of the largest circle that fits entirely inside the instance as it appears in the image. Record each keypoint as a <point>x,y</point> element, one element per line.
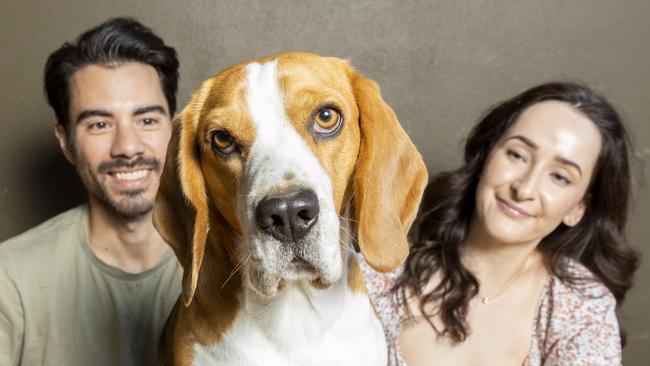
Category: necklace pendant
<point>485,300</point>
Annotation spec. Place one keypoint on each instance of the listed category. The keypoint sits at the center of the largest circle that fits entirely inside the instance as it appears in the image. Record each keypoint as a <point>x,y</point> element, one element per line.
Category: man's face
<point>118,135</point>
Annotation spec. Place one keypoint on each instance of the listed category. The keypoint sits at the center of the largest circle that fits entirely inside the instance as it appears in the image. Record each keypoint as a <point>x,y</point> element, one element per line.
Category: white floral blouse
<point>573,325</point>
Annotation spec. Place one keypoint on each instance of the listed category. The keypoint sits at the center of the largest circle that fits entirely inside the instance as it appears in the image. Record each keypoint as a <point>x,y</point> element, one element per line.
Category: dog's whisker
<point>347,230</point>
<point>346,247</point>
<point>346,244</point>
<point>350,234</point>
<point>234,181</point>
<point>348,219</point>
<point>352,244</point>
<point>232,273</point>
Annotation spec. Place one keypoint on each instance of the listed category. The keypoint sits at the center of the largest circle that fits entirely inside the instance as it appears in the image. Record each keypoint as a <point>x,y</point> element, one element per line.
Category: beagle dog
<point>278,168</point>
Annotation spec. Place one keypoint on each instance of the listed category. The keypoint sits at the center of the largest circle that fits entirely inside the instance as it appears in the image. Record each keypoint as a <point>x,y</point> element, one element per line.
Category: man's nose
<point>127,142</point>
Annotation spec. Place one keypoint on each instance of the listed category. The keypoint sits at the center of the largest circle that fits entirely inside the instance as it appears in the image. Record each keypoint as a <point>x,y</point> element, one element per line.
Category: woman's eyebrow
<point>568,162</point>
<point>534,146</point>
<point>525,140</point>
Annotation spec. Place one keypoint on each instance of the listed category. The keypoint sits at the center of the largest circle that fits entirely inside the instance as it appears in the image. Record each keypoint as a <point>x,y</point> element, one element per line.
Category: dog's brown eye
<point>327,121</point>
<point>223,142</point>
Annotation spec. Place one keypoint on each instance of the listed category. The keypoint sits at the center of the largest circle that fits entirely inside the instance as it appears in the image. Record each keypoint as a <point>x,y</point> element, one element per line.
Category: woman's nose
<point>524,187</point>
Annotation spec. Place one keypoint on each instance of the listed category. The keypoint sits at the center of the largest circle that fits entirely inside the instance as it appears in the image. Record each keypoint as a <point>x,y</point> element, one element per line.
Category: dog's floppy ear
<point>388,181</point>
<point>181,208</point>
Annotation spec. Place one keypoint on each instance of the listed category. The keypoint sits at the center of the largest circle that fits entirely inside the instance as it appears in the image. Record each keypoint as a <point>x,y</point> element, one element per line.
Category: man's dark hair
<point>113,42</point>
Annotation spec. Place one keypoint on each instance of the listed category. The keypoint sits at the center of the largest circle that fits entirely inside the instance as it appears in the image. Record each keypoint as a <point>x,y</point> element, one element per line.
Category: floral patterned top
<point>573,325</point>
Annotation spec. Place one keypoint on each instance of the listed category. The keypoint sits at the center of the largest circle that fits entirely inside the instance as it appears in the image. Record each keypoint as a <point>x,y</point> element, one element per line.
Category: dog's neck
<point>302,323</point>
<point>299,304</point>
<point>299,309</point>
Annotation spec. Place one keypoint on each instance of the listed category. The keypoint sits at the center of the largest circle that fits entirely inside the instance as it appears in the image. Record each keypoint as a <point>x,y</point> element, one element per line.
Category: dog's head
<point>280,154</point>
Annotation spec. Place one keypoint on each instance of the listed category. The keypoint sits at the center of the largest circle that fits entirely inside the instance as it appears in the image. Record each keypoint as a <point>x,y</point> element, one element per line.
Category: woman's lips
<point>511,209</point>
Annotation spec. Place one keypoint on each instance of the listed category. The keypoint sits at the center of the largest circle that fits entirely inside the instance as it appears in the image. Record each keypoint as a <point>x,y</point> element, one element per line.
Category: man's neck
<point>132,245</point>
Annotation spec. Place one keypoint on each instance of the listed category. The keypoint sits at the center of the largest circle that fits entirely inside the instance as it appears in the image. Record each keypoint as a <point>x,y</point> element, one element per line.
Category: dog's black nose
<point>288,217</point>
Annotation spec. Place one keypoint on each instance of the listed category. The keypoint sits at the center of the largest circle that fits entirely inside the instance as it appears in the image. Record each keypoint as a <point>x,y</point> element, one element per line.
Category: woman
<point>519,256</point>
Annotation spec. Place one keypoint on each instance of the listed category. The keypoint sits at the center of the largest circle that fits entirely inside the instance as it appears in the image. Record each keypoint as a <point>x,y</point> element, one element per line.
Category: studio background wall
<point>440,65</point>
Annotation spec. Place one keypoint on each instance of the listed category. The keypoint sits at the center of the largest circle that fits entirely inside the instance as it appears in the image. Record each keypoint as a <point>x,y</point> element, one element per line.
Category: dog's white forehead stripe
<point>277,144</point>
<point>265,100</point>
<point>278,149</point>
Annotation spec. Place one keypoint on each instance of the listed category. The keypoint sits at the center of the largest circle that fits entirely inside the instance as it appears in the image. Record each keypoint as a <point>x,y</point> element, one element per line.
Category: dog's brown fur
<point>377,175</point>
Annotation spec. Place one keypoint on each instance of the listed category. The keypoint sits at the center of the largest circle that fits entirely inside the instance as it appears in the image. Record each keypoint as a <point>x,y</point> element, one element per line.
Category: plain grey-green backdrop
<point>440,65</point>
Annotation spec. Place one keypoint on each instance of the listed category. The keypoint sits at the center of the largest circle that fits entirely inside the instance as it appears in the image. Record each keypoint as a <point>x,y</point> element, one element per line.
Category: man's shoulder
<point>43,240</point>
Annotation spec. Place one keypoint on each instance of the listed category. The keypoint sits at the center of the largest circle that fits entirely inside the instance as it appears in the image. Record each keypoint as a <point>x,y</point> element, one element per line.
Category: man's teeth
<point>132,175</point>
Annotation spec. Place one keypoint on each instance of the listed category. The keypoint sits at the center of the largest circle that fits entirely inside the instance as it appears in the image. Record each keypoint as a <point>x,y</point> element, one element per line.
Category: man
<point>94,285</point>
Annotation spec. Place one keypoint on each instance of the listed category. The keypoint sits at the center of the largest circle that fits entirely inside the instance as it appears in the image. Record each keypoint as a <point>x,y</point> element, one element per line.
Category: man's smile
<point>136,178</point>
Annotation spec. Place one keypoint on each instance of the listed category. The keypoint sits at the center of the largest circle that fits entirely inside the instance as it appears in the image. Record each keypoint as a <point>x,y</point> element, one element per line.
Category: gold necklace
<point>486,299</point>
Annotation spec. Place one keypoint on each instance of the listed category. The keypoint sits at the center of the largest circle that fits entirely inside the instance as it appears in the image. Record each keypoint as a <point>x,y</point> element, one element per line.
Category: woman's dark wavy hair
<point>115,41</point>
<point>597,241</point>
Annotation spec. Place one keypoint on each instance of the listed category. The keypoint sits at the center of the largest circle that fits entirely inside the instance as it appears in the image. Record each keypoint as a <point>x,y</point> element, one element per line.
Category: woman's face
<point>537,174</point>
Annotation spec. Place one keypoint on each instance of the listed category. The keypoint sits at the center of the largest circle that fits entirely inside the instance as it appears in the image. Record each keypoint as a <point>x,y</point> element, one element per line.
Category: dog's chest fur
<point>302,326</point>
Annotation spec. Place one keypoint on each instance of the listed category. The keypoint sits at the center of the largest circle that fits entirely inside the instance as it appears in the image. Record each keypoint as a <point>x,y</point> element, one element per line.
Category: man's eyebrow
<point>559,159</point>
<point>102,113</point>
<point>92,113</point>
<point>149,109</point>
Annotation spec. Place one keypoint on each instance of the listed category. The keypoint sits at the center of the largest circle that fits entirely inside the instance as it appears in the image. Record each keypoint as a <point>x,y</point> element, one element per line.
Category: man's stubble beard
<point>130,204</point>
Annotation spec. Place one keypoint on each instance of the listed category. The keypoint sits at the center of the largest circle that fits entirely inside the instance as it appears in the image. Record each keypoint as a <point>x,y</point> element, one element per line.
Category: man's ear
<point>576,214</point>
<point>64,144</point>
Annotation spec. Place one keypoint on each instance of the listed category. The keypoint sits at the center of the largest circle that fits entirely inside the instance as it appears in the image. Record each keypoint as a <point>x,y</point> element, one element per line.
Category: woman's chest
<point>493,341</point>
<point>500,333</point>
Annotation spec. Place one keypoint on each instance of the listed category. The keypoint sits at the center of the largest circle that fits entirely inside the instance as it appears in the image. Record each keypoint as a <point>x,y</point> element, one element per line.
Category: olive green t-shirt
<point>61,305</point>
